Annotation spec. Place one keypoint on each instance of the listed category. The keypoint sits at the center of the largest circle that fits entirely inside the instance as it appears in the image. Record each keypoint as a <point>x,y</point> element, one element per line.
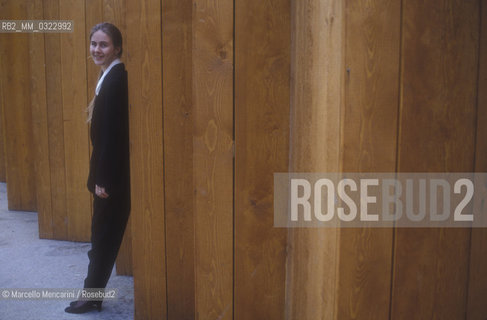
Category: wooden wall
<point>411,101</point>
<point>316,87</point>
<point>213,154</point>
<point>17,118</point>
<point>369,142</point>
<point>177,85</point>
<point>225,93</point>
<point>262,72</point>
<point>438,101</point>
<point>66,157</point>
<point>3,168</point>
<point>147,163</point>
<point>352,95</point>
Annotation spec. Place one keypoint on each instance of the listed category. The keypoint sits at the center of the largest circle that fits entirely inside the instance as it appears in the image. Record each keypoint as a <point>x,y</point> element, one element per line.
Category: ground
<point>30,262</point>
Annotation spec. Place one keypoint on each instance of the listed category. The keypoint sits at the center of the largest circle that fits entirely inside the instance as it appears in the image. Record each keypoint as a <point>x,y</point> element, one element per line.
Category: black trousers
<point>107,228</point>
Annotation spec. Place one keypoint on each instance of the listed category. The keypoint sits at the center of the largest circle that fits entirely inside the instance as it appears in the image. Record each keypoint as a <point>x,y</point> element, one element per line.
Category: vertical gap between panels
<point>234,162</point>
<point>398,135</point>
<point>478,82</point>
<point>66,229</point>
<point>161,29</point>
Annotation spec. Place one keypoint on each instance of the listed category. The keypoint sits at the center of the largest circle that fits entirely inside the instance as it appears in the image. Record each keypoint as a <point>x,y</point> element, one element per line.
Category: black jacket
<point>109,131</point>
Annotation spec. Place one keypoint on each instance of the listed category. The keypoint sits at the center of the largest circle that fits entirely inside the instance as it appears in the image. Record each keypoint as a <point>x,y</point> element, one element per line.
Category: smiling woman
<point>102,49</point>
<point>109,176</point>
<point>105,48</point>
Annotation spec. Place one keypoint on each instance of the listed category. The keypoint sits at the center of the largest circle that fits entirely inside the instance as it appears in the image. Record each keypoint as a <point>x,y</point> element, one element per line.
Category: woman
<point>109,176</point>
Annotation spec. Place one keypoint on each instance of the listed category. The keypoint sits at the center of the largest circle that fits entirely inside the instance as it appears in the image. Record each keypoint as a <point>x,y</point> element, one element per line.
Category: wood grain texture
<point>213,157</point>
<point>76,142</point>
<point>143,51</point>
<point>17,115</point>
<point>316,102</point>
<point>40,124</point>
<point>369,127</point>
<point>124,263</point>
<point>477,284</point>
<point>178,156</point>
<point>3,169</point>
<point>114,11</point>
<point>55,126</point>
<point>93,16</point>
<point>262,73</point>
<point>437,134</point>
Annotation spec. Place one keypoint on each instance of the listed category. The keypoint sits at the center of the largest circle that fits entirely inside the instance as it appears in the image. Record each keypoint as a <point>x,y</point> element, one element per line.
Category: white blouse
<point>100,81</point>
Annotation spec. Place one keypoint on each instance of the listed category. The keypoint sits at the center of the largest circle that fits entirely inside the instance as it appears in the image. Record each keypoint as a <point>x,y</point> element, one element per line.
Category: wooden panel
<point>3,169</point>
<point>55,126</point>
<point>76,144</point>
<point>146,135</point>
<point>316,99</point>
<point>124,263</point>
<point>476,307</point>
<point>15,75</point>
<point>369,145</point>
<point>437,134</point>
<point>114,11</point>
<point>3,173</point>
<point>4,14</point>
<point>262,73</point>
<point>178,157</point>
<point>213,157</point>
<point>40,124</point>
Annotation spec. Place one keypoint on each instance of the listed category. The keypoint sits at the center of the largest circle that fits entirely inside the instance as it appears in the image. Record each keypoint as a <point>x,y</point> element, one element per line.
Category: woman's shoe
<point>72,303</point>
<point>83,306</point>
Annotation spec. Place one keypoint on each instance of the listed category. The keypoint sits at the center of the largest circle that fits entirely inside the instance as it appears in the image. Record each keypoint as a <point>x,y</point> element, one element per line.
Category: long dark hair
<point>116,37</point>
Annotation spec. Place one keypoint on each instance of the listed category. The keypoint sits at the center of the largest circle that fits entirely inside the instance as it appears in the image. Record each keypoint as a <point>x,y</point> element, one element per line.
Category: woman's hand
<point>100,192</point>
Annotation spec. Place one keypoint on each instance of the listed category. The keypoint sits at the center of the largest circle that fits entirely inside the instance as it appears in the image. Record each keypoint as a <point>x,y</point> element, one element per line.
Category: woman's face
<point>102,50</point>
